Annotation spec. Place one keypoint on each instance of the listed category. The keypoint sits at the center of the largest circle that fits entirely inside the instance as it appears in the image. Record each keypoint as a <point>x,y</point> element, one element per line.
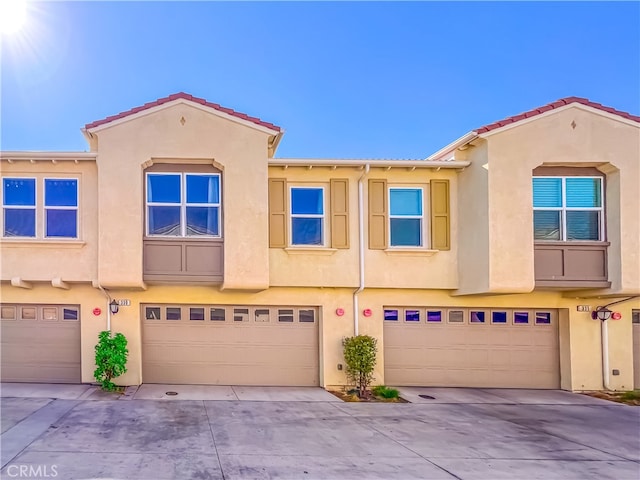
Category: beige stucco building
<point>478,266</point>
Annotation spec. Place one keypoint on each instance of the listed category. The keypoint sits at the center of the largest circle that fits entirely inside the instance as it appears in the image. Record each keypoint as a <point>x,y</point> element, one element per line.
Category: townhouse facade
<point>481,265</point>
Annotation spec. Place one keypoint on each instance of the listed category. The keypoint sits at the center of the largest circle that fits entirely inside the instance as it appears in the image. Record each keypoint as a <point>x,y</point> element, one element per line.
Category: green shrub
<point>631,395</point>
<point>360,356</point>
<point>111,359</point>
<point>385,392</point>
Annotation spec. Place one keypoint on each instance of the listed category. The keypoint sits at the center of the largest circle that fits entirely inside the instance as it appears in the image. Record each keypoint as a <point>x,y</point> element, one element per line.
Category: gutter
<point>461,142</point>
<point>387,164</point>
<point>356,307</point>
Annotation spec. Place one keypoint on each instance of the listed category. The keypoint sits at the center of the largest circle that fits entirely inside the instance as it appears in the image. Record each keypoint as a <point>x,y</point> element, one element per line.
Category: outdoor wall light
<point>601,313</point>
<point>113,306</point>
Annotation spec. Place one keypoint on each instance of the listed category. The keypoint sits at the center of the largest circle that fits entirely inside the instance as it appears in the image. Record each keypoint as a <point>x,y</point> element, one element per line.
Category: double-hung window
<point>61,207</point>
<point>568,208</point>
<point>183,204</point>
<point>29,214</point>
<point>307,216</point>
<point>19,207</point>
<point>406,217</point>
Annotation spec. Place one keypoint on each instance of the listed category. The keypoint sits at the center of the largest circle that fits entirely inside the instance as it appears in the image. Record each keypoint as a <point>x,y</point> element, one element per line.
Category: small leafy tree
<point>111,358</point>
<point>360,356</point>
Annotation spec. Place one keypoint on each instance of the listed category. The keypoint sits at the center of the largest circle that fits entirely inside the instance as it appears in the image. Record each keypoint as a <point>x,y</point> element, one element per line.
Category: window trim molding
<point>324,237</point>
<point>55,207</point>
<point>182,205</point>
<point>40,208</point>
<point>21,207</point>
<point>563,209</point>
<point>424,244</point>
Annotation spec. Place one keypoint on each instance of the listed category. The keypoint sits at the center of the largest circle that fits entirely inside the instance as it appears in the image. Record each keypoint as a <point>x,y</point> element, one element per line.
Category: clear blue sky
<point>345,80</point>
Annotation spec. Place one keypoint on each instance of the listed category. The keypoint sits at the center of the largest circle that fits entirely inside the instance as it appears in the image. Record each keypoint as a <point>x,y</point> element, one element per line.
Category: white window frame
<point>420,217</point>
<point>322,216</point>
<point>54,207</point>
<point>183,203</point>
<point>564,209</point>
<point>21,207</point>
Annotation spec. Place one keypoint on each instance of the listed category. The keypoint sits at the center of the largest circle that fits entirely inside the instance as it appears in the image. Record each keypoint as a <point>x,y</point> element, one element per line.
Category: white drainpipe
<point>356,308</point>
<point>108,307</point>
<point>605,354</point>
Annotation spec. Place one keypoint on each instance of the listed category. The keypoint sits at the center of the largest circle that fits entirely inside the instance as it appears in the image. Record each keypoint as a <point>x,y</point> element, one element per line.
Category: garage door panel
<point>460,354</point>
<point>247,352</point>
<point>40,349</point>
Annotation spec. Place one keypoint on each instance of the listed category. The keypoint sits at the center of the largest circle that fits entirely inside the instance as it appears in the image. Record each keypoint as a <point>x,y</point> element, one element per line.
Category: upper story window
<point>568,208</point>
<point>58,210</point>
<point>61,207</point>
<point>183,204</point>
<point>307,216</point>
<point>19,207</point>
<point>406,218</point>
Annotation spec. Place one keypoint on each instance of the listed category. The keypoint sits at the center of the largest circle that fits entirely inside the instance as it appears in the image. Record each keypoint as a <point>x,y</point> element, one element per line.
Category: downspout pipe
<point>604,335</point>
<point>356,308</point>
<point>106,294</point>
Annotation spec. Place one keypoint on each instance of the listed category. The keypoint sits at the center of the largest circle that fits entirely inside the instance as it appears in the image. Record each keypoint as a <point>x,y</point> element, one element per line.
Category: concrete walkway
<point>460,433</point>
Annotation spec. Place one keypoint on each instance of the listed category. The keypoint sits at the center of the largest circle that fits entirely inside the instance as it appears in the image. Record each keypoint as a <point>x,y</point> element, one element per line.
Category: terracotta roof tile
<point>551,106</point>
<point>183,96</point>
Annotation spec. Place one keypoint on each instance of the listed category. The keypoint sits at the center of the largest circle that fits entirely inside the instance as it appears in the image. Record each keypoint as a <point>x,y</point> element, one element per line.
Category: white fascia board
<point>313,162</point>
<point>48,156</point>
<point>460,142</point>
<point>172,103</point>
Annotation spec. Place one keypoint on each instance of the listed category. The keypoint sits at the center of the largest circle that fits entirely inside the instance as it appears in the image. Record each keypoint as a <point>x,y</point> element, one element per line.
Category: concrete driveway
<point>79,433</point>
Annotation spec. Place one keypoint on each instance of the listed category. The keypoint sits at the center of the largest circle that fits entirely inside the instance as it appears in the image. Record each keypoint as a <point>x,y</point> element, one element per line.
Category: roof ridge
<point>552,106</point>
<point>182,96</point>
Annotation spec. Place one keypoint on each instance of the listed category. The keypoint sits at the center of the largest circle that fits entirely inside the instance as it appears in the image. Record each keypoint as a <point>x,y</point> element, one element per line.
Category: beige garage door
<point>453,347</point>
<point>635,318</point>
<point>230,345</point>
<point>40,343</point>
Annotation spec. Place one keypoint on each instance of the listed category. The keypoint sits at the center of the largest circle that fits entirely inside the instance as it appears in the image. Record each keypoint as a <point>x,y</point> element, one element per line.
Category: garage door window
<point>521,318</point>
<point>28,313</point>
<point>262,315</point>
<point>285,315</point>
<point>50,313</point>
<point>477,316</point>
<point>499,317</point>
<point>196,313</point>
<point>70,314</point>
<point>152,313</point>
<point>543,318</point>
<point>456,316</point>
<point>8,313</point>
<point>307,316</point>
<point>217,314</point>
<point>412,315</point>
<point>240,314</point>
<point>391,315</point>
<point>174,313</point>
<point>434,316</point>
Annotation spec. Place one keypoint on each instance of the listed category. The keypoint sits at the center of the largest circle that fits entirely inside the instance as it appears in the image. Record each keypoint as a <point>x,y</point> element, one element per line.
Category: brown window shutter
<point>340,213</point>
<point>377,214</point>
<point>440,215</point>
<point>277,212</point>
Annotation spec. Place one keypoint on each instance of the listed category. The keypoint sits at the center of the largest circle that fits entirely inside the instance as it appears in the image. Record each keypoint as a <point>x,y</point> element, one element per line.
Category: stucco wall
<point>570,137</point>
<point>45,259</point>
<point>240,151</point>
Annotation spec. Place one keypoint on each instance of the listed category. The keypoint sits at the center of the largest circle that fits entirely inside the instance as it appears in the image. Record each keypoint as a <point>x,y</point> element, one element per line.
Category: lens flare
<point>13,14</point>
